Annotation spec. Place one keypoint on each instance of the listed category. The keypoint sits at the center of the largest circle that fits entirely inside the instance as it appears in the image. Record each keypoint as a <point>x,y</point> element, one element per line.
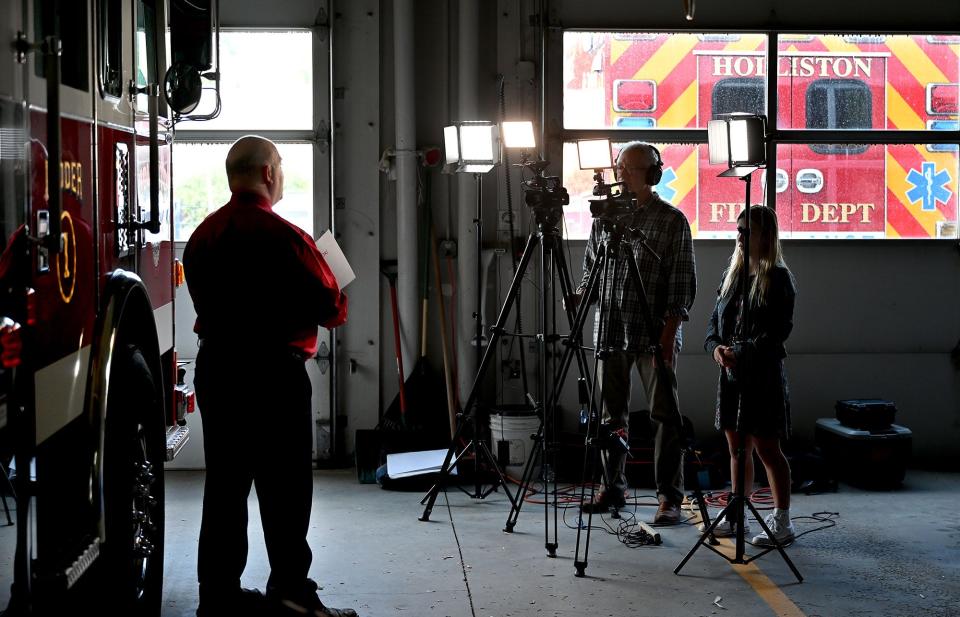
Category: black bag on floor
<point>866,413</point>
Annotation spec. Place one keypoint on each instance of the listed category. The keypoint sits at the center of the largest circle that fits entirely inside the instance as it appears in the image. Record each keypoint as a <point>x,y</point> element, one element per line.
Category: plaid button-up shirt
<point>670,284</point>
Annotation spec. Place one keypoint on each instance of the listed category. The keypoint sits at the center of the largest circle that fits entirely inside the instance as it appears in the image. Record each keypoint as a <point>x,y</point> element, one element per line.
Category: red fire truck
<point>824,82</point>
<point>89,403</point>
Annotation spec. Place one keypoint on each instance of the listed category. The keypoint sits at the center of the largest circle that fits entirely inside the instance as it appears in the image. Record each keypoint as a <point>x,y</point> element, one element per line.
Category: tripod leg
<point>497,328</point>
<point>776,542</point>
<point>481,450</point>
<point>488,354</point>
<point>546,339</point>
<point>573,340</point>
<point>525,481</point>
<point>551,241</point>
<point>448,463</point>
<point>592,455</point>
<point>708,533</point>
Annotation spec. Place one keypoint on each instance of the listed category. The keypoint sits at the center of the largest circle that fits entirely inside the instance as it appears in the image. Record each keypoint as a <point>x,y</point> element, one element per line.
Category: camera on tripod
<point>544,194</point>
<point>608,205</point>
<point>612,206</point>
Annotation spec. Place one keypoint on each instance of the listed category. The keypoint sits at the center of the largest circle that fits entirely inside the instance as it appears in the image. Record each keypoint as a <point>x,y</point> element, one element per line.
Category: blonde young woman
<point>753,362</point>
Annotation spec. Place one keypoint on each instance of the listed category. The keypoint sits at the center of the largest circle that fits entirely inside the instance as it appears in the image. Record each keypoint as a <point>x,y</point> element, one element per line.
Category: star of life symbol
<point>929,186</point>
<point>663,187</point>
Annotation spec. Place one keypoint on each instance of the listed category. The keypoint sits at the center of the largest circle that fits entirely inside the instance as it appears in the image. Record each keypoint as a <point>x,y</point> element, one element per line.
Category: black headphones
<point>655,171</point>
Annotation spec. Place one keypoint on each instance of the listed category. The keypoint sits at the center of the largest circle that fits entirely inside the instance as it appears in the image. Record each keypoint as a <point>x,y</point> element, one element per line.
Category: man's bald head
<point>253,165</point>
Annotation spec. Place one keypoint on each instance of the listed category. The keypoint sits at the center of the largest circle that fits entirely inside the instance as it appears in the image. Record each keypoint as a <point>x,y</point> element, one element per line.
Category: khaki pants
<point>614,378</point>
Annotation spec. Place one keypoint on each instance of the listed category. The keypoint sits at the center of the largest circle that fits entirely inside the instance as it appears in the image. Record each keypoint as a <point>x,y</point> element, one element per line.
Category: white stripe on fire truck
<point>163,317</point>
<point>60,389</point>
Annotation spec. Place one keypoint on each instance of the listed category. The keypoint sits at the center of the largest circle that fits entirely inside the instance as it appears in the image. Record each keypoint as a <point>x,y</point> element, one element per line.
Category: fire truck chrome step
<point>177,437</point>
<point>82,563</point>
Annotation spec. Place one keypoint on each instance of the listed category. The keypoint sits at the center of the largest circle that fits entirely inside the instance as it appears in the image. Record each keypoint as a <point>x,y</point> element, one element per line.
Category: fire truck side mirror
<point>182,88</point>
<point>194,50</point>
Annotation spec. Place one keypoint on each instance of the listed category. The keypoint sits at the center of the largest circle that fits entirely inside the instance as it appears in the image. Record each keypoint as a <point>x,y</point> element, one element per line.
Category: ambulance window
<point>839,104</point>
<point>73,39</point>
<point>738,94</point>
<point>111,46</point>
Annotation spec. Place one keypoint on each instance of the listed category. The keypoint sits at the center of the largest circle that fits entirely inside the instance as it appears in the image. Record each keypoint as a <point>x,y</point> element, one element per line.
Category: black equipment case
<point>866,413</point>
<point>874,459</point>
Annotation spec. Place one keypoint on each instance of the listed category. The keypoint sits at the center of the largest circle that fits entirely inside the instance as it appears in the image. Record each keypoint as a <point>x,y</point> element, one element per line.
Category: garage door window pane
<point>879,191</point>
<point>681,169</point>
<point>857,81</point>
<point>650,80</point>
<point>200,184</point>
<point>259,91</point>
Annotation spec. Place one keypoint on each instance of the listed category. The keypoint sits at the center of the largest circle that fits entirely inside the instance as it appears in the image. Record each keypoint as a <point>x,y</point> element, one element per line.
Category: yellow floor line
<point>768,591</point>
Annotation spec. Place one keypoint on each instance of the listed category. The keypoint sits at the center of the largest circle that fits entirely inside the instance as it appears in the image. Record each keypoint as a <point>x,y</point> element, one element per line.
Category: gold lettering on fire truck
<point>837,213</point>
<point>67,258</point>
<point>725,212</point>
<point>793,66</point>
<point>71,178</point>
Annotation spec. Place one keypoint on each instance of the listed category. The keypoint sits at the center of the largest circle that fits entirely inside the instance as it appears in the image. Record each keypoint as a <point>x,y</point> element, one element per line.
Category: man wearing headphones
<point>670,285</point>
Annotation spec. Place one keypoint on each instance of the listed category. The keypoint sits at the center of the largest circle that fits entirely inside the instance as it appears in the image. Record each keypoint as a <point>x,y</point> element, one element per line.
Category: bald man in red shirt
<point>260,288</point>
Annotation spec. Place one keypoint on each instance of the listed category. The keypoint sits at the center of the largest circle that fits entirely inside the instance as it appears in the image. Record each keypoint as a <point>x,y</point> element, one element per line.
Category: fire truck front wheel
<point>133,486</point>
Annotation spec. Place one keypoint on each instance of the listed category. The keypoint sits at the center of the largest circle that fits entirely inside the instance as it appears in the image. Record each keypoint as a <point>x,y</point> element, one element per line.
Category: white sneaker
<point>783,531</point>
<point>725,528</point>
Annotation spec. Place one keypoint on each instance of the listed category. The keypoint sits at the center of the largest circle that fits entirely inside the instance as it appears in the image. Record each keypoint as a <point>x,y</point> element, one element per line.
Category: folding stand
<point>734,510</point>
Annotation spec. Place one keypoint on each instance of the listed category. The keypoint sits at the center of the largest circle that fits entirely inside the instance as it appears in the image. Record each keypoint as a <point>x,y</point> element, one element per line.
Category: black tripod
<point>734,511</point>
<point>614,252</point>
<point>552,263</point>
<point>547,236</point>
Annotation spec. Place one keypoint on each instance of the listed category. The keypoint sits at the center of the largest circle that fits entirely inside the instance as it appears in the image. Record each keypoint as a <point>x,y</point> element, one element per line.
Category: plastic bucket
<point>510,432</point>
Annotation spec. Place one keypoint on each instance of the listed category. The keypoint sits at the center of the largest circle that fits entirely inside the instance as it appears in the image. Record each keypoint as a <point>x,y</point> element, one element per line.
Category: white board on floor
<point>408,464</point>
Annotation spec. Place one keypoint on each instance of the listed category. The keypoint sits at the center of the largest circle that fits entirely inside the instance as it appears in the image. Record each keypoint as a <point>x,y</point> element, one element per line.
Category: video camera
<point>610,205</point>
<point>542,191</point>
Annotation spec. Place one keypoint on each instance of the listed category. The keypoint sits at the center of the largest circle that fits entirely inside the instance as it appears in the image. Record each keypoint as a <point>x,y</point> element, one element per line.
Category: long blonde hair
<point>763,221</point>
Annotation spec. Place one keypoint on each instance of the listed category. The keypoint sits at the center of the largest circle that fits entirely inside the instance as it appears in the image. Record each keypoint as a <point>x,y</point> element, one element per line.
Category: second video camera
<point>542,192</point>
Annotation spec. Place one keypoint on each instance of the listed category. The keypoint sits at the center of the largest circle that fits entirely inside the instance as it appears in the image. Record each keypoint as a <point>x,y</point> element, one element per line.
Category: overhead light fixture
<point>738,141</point>
<point>471,147</point>
<point>594,154</point>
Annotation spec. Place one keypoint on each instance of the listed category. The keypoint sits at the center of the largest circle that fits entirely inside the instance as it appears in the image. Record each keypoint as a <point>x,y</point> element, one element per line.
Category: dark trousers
<point>255,410</point>
<point>614,377</point>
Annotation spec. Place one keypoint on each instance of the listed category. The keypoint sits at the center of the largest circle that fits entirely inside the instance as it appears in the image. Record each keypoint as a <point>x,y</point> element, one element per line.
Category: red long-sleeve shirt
<point>258,281</point>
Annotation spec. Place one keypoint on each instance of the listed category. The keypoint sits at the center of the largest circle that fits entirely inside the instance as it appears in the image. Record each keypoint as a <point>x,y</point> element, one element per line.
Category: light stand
<point>739,141</point>
<point>471,147</point>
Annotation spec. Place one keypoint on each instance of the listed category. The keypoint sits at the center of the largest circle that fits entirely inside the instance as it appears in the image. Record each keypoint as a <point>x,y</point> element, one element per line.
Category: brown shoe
<point>602,502</point>
<point>307,604</point>
<point>667,514</point>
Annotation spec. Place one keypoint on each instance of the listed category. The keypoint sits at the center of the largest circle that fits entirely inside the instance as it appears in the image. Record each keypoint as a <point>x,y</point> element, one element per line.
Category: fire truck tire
<point>133,460</point>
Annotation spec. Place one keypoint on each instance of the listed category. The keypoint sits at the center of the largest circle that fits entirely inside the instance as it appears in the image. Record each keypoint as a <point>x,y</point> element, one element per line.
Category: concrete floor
<point>893,553</point>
